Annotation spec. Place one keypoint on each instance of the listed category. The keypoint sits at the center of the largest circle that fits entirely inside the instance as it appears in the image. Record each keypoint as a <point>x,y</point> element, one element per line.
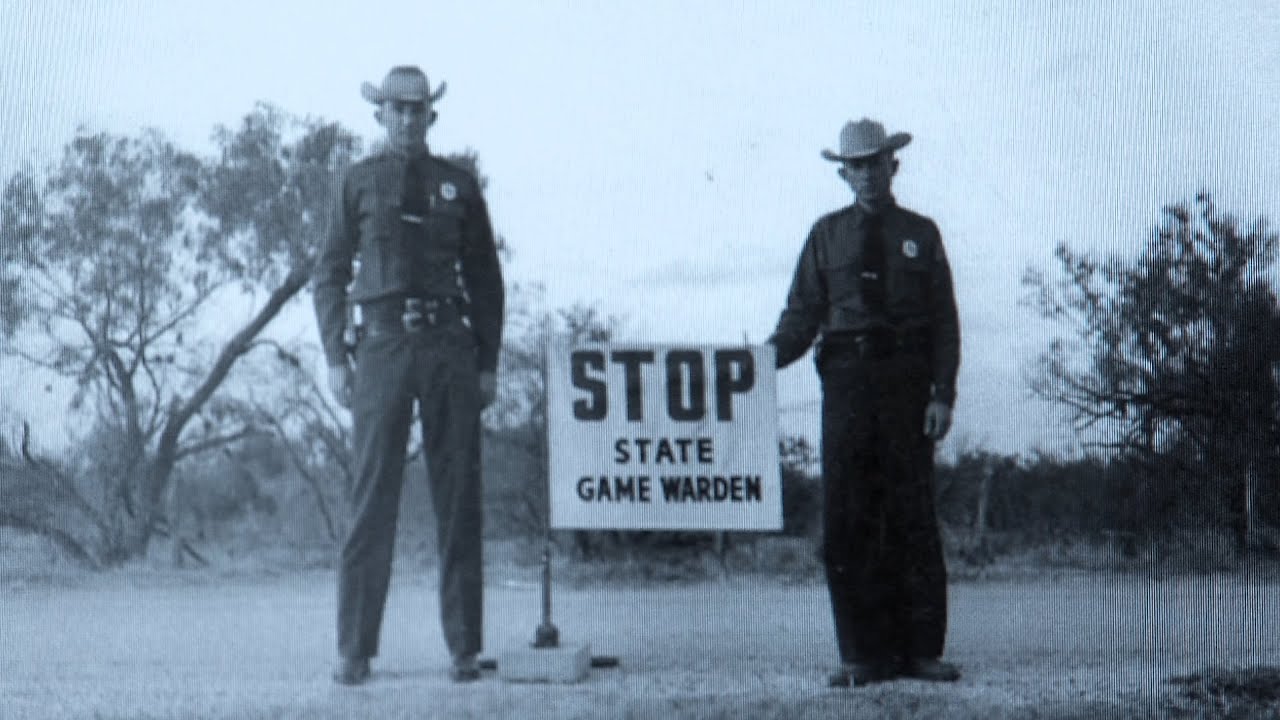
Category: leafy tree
<point>1172,358</point>
<point>118,260</point>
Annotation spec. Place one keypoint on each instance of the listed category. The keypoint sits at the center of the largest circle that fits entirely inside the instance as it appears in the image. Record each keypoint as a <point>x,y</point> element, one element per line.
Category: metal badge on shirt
<point>448,193</point>
<point>910,248</point>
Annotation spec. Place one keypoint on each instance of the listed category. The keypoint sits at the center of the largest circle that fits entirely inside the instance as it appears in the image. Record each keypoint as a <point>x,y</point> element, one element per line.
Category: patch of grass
<point>777,558</point>
<point>1230,693</point>
<point>789,559</point>
<point>28,559</point>
<point>1186,551</point>
<point>662,567</point>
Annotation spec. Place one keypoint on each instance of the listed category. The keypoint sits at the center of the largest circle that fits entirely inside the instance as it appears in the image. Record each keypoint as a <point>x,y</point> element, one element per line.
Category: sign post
<point>547,635</point>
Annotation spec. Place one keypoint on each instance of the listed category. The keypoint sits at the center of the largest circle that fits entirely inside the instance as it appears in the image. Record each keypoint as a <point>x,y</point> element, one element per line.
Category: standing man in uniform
<point>429,291</point>
<point>874,283</point>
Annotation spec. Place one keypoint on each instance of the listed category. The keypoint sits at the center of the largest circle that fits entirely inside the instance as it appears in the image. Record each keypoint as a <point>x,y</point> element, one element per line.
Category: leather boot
<point>931,669</point>
<point>352,671</point>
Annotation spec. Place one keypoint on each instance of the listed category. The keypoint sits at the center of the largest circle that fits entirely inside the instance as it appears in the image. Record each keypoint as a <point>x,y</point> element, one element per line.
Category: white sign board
<point>663,437</point>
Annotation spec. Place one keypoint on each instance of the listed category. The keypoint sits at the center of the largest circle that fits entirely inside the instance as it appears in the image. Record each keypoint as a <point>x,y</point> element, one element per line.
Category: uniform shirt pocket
<point>444,226</point>
<point>379,224</point>
<point>842,281</point>
<point>909,281</point>
<point>379,219</point>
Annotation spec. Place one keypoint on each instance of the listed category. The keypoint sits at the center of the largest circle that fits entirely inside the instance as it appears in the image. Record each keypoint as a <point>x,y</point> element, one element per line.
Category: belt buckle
<point>411,319</point>
<point>416,310</point>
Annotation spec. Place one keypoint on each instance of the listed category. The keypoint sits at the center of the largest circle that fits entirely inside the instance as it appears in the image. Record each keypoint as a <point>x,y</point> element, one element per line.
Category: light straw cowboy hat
<point>863,139</point>
<point>405,83</point>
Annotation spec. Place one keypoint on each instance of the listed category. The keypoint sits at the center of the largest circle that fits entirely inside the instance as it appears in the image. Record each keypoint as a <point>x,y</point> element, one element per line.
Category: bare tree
<point>119,259</point>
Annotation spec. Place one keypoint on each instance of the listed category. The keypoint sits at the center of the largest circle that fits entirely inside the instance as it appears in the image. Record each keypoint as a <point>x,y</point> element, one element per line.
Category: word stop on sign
<point>684,376</point>
<point>663,437</point>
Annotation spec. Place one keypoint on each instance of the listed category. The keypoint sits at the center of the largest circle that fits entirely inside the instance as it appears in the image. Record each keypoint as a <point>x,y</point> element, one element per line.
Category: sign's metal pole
<point>547,635</point>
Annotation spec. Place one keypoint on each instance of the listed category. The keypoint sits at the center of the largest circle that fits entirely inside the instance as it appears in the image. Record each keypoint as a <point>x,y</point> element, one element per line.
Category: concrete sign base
<point>564,664</point>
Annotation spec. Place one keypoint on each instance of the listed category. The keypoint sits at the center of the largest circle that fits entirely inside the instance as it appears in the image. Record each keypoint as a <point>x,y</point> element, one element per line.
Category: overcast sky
<point>661,159</point>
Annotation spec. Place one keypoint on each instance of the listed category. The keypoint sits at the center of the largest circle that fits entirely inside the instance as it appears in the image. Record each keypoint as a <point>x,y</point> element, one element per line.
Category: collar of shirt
<point>866,213</point>
<point>406,156</point>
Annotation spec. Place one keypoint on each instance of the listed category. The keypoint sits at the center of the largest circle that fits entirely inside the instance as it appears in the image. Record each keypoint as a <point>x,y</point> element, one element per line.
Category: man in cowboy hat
<point>430,296</point>
<point>873,283</point>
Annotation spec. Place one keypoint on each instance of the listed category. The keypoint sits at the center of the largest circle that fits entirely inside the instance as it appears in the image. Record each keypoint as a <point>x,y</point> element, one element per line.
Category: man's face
<point>406,123</point>
<point>870,177</point>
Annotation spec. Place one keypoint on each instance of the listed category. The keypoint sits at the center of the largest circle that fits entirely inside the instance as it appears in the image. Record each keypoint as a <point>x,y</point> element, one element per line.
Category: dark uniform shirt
<point>435,242</point>
<point>861,273</point>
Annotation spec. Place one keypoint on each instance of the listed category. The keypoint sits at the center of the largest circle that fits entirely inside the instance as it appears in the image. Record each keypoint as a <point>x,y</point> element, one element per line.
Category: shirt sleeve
<point>806,305</point>
<point>332,275</point>
<point>482,274</point>
<point>945,327</point>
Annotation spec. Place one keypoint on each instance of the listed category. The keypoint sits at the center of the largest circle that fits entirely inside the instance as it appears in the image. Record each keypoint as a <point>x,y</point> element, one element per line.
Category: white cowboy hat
<point>406,83</point>
<point>863,139</point>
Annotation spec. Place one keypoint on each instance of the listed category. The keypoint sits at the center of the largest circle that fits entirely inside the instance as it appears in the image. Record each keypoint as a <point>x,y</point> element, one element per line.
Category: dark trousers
<point>435,366</point>
<point>881,545</point>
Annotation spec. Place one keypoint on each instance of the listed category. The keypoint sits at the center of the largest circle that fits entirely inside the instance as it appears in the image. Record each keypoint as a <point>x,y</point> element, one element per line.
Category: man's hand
<point>937,420</point>
<point>341,383</point>
<point>488,382</point>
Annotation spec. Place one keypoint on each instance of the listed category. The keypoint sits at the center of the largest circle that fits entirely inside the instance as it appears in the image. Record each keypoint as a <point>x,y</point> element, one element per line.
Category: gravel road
<point>199,645</point>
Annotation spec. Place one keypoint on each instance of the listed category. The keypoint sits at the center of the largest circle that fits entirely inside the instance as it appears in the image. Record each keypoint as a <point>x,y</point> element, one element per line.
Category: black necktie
<point>414,201</point>
<point>873,264</point>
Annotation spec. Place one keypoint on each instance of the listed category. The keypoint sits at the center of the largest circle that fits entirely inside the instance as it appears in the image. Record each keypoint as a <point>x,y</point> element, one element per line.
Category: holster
<point>352,333</point>
<point>875,344</point>
<point>351,336</point>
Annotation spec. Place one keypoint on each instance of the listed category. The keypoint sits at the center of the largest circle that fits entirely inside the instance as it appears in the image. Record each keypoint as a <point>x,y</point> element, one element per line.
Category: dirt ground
<point>197,645</point>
